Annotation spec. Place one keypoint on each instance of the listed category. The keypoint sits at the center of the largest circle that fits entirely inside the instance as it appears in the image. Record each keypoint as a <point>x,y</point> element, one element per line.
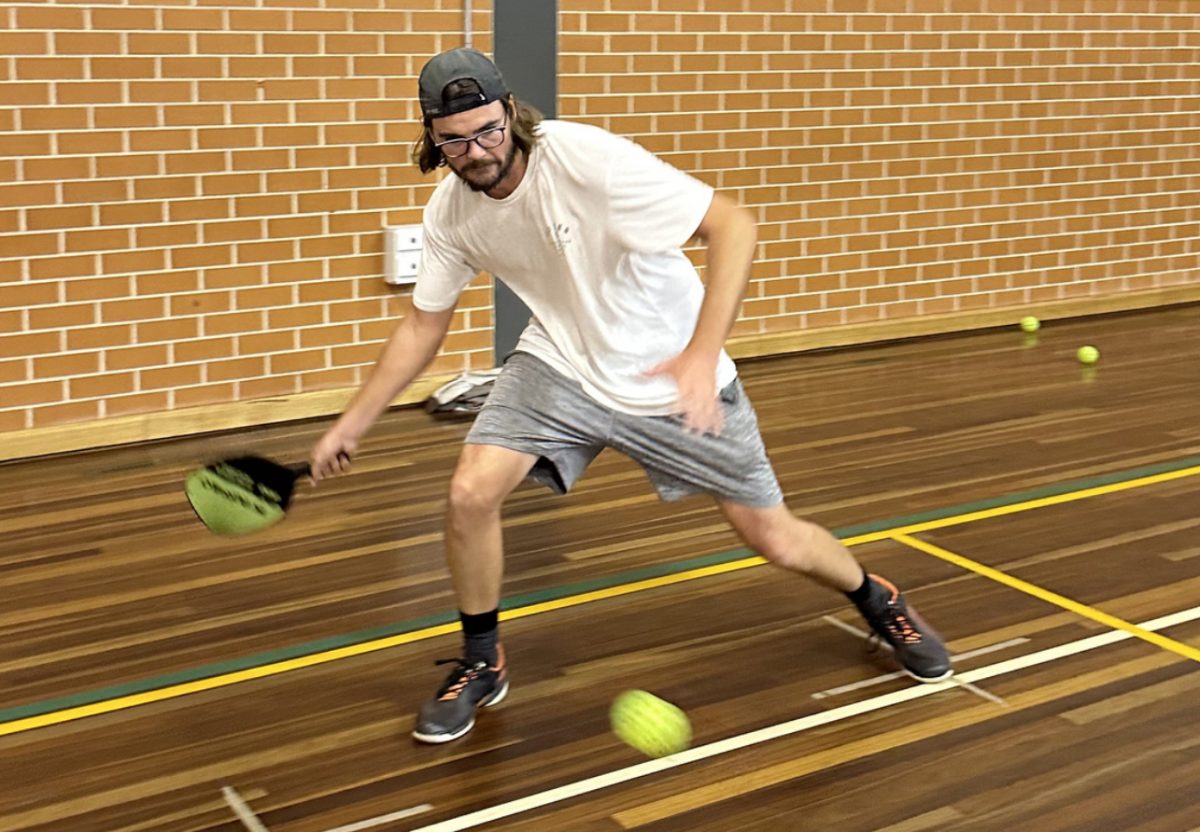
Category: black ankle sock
<point>860,595</point>
<point>480,635</point>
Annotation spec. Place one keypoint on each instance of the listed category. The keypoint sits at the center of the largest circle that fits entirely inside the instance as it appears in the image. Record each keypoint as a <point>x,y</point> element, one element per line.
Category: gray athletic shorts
<point>536,410</point>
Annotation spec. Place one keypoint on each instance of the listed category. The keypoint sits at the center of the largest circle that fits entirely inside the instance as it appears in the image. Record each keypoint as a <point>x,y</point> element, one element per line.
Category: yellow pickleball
<point>653,726</point>
<point>1088,355</point>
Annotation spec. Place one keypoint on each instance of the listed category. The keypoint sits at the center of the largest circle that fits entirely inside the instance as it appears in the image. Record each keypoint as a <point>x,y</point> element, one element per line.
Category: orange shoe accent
<point>903,630</point>
<point>891,587</point>
<point>469,674</point>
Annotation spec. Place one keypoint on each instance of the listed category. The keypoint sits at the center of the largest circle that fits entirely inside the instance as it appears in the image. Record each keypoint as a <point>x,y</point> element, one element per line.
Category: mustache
<point>480,165</point>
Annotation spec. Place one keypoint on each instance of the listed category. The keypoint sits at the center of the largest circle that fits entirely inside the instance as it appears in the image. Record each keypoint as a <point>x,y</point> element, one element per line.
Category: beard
<point>471,173</point>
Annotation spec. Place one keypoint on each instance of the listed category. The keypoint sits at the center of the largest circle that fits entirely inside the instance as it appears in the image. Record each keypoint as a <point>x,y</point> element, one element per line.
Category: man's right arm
<point>412,345</point>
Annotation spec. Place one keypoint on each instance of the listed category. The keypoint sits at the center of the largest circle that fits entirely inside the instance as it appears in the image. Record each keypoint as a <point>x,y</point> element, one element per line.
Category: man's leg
<point>800,546</point>
<point>483,479</point>
<point>795,544</point>
<point>485,476</point>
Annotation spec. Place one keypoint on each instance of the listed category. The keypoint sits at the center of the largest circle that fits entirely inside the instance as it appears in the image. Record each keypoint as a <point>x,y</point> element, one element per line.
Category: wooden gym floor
<point>1042,515</point>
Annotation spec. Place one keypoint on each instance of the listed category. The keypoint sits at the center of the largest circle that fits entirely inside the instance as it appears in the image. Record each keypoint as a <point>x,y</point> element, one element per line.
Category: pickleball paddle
<point>244,494</point>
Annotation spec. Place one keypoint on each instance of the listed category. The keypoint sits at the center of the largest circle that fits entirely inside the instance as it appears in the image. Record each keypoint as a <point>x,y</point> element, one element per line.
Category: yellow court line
<point>1185,650</point>
<point>287,665</point>
<point>172,691</point>
<point>629,589</point>
<point>275,668</point>
<point>1027,505</point>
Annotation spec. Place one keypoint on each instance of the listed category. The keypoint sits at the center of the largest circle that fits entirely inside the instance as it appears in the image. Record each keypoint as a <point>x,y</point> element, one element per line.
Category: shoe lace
<point>899,627</point>
<point>462,675</point>
<point>891,616</point>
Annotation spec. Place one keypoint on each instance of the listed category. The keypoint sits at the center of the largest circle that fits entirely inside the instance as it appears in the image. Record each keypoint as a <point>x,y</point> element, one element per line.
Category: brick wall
<point>913,157</point>
<point>191,196</point>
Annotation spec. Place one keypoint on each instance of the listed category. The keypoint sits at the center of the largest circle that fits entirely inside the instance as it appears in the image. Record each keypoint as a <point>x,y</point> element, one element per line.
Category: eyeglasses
<point>486,139</point>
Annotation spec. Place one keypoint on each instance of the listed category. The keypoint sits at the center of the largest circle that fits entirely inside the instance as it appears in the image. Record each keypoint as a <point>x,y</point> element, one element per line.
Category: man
<point>624,350</point>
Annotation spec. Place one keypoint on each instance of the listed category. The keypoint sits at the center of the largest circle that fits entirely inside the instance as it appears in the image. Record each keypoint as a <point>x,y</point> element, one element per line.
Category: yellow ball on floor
<point>653,726</point>
<point>1030,324</point>
<point>1088,355</point>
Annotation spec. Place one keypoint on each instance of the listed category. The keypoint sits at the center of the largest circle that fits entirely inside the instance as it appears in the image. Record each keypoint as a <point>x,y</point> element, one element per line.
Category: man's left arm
<point>729,234</point>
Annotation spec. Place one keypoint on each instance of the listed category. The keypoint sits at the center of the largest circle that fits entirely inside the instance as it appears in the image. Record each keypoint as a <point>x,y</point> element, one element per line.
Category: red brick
<point>140,403</point>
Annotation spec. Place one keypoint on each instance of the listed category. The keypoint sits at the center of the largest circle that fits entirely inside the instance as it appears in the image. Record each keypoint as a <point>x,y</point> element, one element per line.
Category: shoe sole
<point>436,739</point>
<point>929,680</point>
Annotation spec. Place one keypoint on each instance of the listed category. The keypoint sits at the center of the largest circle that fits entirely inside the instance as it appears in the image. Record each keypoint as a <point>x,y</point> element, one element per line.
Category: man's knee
<point>784,540</point>
<point>472,495</point>
<point>793,547</point>
<point>484,478</point>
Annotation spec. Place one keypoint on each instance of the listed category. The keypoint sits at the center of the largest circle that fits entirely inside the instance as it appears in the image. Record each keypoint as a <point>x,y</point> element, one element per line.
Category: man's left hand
<point>696,378</point>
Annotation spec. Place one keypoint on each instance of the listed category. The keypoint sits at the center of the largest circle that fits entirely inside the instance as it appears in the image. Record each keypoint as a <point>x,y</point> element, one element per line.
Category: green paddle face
<point>240,496</point>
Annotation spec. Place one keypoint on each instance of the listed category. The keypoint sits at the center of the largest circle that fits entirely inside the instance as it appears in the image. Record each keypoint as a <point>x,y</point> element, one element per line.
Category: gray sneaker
<point>470,686</point>
<point>918,648</point>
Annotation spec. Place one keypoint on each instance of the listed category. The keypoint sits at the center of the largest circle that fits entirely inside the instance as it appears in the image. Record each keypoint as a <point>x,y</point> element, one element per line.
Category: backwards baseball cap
<point>459,80</point>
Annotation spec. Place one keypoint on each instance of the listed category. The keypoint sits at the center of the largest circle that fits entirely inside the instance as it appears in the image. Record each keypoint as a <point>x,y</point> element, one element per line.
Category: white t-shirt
<point>590,241</point>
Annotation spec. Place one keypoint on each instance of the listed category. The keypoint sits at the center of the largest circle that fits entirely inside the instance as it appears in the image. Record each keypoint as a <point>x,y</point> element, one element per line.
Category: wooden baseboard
<point>125,430</point>
<point>779,343</point>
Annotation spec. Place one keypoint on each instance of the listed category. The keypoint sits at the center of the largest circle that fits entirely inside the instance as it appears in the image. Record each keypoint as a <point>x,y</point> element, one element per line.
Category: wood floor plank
<point>108,580</point>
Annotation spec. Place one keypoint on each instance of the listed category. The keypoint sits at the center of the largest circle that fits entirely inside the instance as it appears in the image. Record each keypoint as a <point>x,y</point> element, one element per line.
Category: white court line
<point>795,726</point>
<point>865,683</point>
<point>978,691</point>
<point>382,819</point>
<point>242,810</point>
<point>849,628</point>
<point>887,677</point>
<point>991,648</point>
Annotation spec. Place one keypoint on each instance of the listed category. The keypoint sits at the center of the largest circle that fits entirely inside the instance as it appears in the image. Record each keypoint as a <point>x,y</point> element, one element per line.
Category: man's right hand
<point>409,349</point>
<point>331,455</point>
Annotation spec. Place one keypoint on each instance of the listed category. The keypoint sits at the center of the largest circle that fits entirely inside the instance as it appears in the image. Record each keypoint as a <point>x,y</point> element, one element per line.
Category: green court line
<point>554,593</point>
<point>1033,494</point>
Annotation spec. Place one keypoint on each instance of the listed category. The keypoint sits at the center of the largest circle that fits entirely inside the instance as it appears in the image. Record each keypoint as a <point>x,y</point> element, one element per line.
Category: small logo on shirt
<point>560,235</point>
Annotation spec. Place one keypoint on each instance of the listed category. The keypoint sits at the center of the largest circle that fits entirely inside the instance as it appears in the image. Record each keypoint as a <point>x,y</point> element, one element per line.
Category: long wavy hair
<point>523,121</point>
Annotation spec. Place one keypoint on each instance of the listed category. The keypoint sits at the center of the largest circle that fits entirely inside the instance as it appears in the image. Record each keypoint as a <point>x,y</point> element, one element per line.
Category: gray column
<point>526,50</point>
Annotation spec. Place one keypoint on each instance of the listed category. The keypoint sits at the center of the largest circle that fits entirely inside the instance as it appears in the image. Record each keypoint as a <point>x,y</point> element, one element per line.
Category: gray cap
<point>459,80</point>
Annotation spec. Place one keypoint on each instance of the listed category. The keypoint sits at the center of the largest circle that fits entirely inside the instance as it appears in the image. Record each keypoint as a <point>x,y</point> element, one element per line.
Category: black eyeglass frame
<point>466,142</point>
